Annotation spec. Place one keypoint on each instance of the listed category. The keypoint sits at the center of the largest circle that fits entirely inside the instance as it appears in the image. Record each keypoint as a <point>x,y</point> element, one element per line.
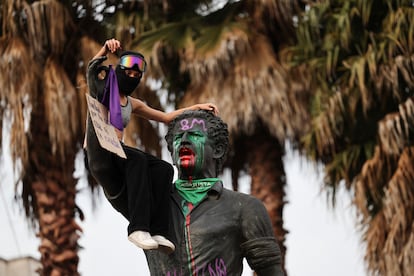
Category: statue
<point>213,228</point>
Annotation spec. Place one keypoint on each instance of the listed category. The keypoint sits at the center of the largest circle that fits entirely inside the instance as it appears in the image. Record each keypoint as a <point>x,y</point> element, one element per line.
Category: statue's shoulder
<point>243,198</point>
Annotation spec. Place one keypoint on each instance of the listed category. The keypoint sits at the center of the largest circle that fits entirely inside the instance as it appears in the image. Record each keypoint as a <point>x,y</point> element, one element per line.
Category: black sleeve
<point>260,248</point>
<point>101,162</point>
<point>96,85</point>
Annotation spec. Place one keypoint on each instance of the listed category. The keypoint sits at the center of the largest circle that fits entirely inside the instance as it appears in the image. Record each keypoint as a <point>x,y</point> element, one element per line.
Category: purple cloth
<point>111,100</point>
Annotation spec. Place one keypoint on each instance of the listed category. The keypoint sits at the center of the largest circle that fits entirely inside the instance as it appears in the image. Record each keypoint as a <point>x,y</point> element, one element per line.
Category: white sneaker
<point>165,245</point>
<point>143,240</point>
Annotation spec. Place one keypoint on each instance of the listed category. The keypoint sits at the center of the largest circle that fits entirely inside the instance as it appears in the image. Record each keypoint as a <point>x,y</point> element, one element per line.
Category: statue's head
<point>198,142</point>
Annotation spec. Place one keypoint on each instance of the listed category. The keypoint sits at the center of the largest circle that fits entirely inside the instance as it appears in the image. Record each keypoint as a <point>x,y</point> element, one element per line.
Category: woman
<point>138,186</point>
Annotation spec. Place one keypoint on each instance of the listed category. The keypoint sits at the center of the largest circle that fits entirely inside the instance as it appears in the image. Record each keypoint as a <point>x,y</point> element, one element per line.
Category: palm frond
<point>362,121</point>
<point>370,183</point>
<point>388,217</point>
<point>255,78</point>
<point>61,103</point>
<point>396,129</point>
<point>49,27</point>
<point>176,34</point>
<point>399,210</point>
<point>19,88</point>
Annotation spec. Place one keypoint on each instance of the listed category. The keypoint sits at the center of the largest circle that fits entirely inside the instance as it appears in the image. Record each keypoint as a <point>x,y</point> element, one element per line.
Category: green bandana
<point>195,190</point>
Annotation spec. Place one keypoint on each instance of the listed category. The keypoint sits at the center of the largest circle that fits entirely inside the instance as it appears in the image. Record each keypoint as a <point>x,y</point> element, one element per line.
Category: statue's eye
<point>197,134</point>
<point>178,136</point>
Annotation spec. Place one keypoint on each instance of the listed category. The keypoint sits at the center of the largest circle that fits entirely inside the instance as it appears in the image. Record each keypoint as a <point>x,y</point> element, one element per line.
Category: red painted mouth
<point>185,152</point>
<point>186,156</point>
<point>187,160</point>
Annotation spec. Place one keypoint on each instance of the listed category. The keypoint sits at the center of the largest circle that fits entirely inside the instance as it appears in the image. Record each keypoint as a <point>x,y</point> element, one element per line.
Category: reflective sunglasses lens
<point>130,61</point>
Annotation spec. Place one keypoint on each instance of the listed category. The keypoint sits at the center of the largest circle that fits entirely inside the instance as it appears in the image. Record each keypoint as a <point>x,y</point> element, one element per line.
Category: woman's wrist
<point>106,48</point>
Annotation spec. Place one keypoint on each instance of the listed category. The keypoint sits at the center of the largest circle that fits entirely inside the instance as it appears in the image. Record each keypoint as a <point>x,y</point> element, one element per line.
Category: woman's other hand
<point>209,107</point>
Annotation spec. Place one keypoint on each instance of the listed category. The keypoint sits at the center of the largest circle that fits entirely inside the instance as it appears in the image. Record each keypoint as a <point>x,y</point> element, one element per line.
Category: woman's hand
<point>208,106</point>
<point>112,45</point>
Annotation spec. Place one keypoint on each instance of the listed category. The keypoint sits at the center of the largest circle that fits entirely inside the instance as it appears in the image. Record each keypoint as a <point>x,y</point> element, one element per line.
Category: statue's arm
<point>260,248</point>
<point>270,271</point>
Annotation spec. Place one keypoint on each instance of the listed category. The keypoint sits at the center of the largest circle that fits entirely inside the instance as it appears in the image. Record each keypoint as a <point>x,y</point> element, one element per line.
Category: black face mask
<point>126,84</point>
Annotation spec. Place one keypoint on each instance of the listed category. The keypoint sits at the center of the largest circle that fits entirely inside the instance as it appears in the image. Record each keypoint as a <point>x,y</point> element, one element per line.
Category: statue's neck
<point>187,172</point>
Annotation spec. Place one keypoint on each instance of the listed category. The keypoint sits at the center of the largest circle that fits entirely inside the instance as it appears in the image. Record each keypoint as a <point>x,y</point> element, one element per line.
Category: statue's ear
<point>219,151</point>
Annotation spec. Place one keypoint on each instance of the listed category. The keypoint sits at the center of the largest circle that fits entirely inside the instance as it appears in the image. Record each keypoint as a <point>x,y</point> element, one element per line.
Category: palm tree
<point>45,46</point>
<point>41,101</point>
<point>358,57</point>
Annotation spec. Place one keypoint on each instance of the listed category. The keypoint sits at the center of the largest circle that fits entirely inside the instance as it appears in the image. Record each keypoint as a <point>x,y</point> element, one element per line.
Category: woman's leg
<point>105,167</point>
<point>161,176</point>
<point>138,189</point>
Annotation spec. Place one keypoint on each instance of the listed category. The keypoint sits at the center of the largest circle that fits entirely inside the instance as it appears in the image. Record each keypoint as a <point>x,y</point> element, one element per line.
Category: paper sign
<point>104,131</point>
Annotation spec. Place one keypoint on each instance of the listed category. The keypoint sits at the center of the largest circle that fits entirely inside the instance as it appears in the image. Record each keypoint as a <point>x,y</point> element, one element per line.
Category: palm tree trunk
<point>268,180</point>
<point>53,187</point>
<point>57,229</point>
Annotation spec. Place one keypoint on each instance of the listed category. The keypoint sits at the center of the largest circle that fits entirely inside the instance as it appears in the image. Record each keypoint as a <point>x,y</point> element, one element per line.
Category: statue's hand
<point>95,83</point>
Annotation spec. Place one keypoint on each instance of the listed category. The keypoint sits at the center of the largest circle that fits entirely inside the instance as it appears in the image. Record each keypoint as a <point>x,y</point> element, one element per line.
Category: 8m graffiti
<point>186,125</point>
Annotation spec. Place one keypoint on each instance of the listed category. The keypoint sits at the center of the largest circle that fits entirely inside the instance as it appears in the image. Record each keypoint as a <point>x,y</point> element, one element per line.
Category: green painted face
<point>192,148</point>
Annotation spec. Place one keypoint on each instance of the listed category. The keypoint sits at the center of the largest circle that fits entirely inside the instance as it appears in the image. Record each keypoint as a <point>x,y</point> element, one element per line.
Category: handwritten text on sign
<point>104,131</point>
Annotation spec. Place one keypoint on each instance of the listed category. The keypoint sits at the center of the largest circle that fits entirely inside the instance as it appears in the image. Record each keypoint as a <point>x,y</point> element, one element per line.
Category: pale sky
<point>320,241</point>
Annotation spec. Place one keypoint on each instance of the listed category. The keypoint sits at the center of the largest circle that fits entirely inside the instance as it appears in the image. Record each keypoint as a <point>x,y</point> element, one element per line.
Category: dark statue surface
<point>214,235</point>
